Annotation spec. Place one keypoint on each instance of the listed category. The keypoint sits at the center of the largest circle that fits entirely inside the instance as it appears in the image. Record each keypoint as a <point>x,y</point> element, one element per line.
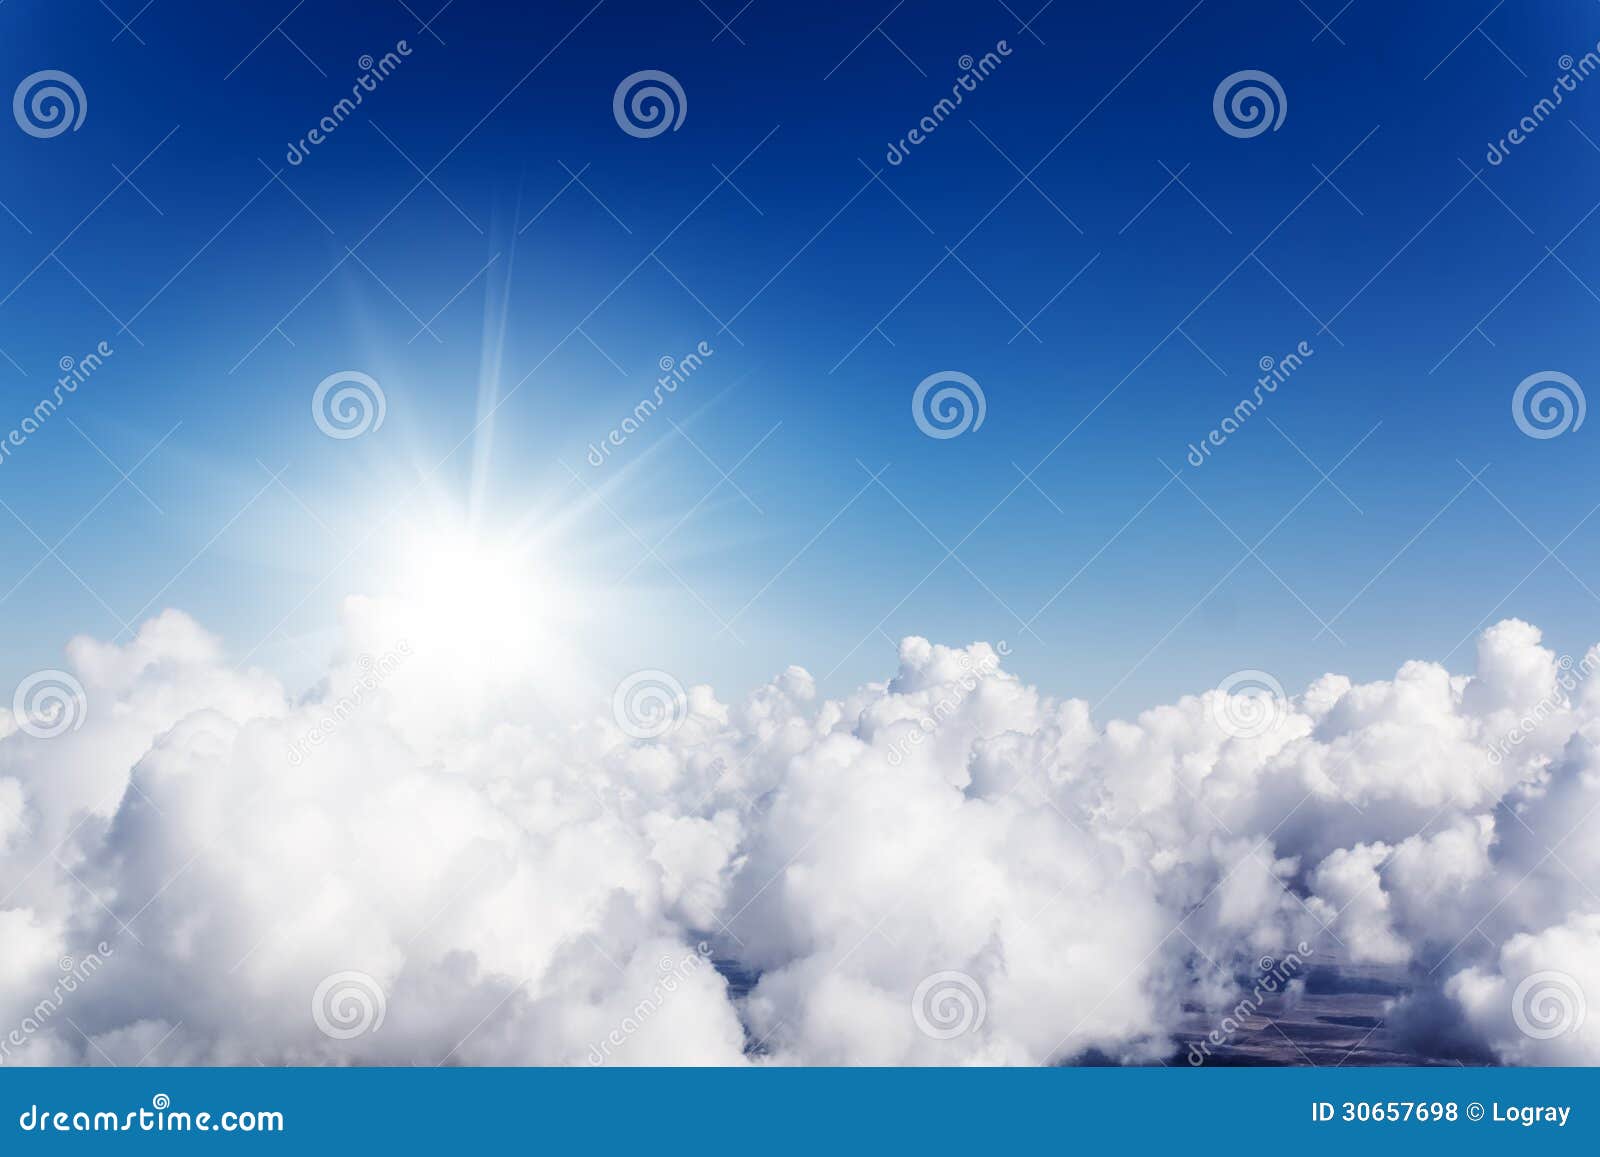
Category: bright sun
<point>467,594</point>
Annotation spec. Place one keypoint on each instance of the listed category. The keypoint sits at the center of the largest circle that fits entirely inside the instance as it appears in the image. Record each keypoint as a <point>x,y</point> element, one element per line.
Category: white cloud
<point>1532,1003</point>
<point>522,882</point>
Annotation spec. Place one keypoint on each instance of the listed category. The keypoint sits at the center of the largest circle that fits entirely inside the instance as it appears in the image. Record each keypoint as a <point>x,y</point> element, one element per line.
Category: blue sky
<point>758,227</point>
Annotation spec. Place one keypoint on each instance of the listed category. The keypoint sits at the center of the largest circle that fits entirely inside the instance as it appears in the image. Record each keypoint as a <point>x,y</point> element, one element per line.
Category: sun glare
<point>465,592</point>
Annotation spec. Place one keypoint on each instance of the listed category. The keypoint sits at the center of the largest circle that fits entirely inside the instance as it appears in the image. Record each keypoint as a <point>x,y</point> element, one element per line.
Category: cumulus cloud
<point>416,862</point>
<point>1530,1003</point>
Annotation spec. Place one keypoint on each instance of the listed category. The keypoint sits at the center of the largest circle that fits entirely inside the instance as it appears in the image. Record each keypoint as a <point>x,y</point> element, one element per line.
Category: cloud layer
<point>423,863</point>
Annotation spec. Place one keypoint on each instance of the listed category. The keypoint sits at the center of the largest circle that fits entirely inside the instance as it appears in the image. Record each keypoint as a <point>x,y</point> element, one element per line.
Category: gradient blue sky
<point>785,275</point>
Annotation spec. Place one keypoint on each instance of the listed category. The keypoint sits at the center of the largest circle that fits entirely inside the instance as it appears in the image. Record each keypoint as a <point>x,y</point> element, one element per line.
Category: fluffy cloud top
<point>416,865</point>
